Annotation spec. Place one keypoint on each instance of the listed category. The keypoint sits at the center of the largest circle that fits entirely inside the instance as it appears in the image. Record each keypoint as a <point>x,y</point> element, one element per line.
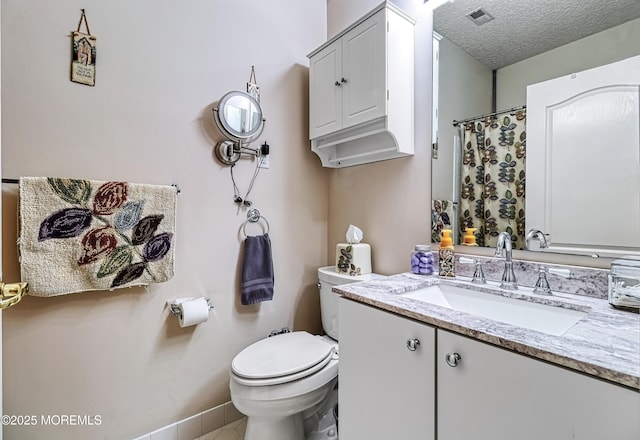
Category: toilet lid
<point>282,355</point>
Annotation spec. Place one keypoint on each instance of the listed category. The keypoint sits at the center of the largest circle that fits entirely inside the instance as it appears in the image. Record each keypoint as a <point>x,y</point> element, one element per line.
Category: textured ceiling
<point>524,28</point>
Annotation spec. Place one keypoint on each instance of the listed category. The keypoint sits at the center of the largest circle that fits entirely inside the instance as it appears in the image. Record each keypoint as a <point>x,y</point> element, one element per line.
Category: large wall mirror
<point>489,52</point>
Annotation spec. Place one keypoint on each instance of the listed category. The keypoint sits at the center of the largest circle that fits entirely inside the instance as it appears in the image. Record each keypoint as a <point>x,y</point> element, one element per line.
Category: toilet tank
<point>328,278</point>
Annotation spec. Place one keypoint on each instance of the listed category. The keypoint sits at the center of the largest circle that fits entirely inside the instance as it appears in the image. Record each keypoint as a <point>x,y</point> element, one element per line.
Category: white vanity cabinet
<point>496,394</point>
<point>386,375</point>
<point>361,91</point>
<point>473,390</point>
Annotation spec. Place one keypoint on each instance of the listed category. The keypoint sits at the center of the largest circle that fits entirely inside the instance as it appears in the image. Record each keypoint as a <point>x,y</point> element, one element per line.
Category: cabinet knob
<point>338,84</point>
<point>453,359</point>
<point>412,344</point>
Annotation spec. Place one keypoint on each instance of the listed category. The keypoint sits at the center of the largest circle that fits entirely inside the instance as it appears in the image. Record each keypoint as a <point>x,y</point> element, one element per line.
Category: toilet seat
<point>280,359</point>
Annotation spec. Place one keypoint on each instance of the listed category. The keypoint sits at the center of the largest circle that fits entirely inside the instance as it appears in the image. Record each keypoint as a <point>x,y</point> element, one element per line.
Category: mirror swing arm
<point>239,119</point>
<point>229,150</point>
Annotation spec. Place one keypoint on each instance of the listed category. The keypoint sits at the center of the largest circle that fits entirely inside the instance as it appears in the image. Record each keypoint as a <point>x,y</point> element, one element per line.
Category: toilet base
<point>322,423</point>
<point>274,428</point>
<point>328,433</point>
<point>316,423</point>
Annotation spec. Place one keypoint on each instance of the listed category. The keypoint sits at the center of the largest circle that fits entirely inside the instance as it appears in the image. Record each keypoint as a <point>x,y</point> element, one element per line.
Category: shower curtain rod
<point>456,123</point>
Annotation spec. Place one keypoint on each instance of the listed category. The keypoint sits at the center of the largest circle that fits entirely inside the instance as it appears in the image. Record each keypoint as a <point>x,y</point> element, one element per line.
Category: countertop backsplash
<point>592,282</point>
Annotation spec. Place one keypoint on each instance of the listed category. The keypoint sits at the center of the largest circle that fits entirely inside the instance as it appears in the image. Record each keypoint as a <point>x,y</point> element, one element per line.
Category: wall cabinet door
<point>347,78</point>
<point>386,389</point>
<point>500,395</point>
<point>325,91</point>
<point>364,89</point>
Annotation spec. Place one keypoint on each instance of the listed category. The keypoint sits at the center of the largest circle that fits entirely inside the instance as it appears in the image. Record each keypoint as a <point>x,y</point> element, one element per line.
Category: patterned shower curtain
<point>493,177</point>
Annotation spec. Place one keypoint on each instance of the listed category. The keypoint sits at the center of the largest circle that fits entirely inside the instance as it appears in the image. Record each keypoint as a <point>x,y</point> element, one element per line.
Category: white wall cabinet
<point>491,393</point>
<point>386,390</point>
<point>361,91</point>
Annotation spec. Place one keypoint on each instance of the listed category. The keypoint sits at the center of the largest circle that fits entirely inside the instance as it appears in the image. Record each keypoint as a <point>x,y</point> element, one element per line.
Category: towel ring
<point>253,216</point>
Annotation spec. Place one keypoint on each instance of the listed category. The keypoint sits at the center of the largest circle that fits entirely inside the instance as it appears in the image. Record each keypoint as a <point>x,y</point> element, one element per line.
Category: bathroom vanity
<point>414,370</point>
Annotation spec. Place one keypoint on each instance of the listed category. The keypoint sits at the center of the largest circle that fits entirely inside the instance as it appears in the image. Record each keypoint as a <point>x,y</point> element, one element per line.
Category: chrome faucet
<point>536,233</point>
<point>508,277</point>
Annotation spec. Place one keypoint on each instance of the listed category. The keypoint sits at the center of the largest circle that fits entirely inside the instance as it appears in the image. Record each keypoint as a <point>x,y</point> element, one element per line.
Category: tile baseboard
<point>197,425</point>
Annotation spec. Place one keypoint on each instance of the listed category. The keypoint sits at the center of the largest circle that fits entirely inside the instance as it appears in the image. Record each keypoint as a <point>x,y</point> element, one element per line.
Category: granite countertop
<point>604,344</point>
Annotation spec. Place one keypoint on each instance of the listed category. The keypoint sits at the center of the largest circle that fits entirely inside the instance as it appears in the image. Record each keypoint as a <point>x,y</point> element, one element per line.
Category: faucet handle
<point>542,285</point>
<point>564,273</point>
<point>478,273</point>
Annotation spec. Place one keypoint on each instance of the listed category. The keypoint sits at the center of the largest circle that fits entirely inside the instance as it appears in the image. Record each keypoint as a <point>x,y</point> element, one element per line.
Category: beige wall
<point>160,68</point>
<point>605,47</point>
<point>465,91</point>
<point>390,200</point>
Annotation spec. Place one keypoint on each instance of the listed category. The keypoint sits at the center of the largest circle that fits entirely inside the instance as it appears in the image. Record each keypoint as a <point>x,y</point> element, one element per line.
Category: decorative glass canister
<point>422,260</point>
<point>624,283</point>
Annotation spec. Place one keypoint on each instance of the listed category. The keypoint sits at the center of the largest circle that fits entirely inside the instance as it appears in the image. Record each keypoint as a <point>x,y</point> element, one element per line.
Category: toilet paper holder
<point>174,307</point>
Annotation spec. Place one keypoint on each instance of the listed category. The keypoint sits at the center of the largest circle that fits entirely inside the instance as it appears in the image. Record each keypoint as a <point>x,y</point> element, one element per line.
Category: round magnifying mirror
<point>240,115</point>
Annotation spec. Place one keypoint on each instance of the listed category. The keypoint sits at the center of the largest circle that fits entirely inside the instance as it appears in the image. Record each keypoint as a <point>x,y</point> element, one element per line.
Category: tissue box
<point>354,259</point>
<point>624,283</point>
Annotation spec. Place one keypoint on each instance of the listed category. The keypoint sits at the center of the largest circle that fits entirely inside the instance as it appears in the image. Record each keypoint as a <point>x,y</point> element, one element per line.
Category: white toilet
<point>286,384</point>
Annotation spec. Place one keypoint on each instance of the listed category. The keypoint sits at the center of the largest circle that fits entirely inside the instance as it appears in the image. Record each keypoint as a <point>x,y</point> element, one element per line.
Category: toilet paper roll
<point>193,311</point>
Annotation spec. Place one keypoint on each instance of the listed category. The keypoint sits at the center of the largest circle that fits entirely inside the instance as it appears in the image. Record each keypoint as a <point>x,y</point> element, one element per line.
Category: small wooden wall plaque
<point>83,65</point>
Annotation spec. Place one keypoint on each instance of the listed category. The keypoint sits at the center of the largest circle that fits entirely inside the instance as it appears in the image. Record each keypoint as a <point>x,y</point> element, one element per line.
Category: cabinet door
<point>325,91</point>
<point>364,71</point>
<point>386,391</point>
<point>500,395</point>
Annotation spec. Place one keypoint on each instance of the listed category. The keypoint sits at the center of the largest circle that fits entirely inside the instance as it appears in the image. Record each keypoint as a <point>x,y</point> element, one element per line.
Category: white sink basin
<point>550,319</point>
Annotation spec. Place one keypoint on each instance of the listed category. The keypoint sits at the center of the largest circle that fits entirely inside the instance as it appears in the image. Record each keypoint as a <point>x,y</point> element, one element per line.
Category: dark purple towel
<point>257,270</point>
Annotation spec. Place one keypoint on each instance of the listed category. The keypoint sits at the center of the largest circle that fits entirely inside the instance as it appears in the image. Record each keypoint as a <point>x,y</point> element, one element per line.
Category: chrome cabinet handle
<point>412,344</point>
<point>453,359</point>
